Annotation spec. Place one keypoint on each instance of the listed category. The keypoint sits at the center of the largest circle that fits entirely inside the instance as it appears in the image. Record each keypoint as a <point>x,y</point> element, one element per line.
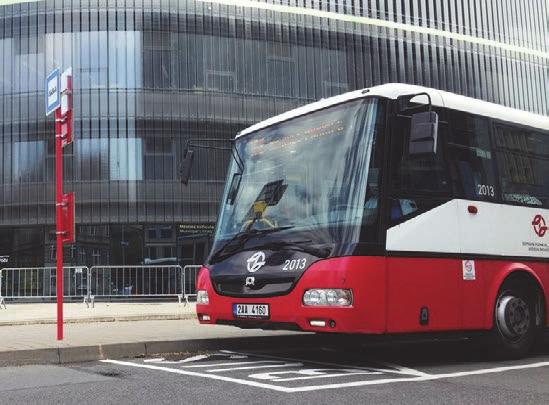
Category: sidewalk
<point>46,313</point>
<point>31,337</point>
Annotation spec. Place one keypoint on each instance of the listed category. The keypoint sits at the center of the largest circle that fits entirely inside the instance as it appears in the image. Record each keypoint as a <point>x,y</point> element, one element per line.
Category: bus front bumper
<point>364,276</point>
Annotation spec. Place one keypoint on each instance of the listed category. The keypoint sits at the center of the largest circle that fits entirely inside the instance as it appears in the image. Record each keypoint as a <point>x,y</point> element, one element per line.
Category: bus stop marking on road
<point>302,374</point>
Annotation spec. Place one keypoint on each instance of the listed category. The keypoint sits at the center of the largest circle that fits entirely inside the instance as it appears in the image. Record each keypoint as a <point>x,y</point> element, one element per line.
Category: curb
<point>77,354</point>
<point>129,318</point>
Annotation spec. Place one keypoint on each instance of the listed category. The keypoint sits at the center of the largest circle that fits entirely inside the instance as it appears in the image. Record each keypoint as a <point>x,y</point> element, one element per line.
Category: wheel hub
<point>513,317</point>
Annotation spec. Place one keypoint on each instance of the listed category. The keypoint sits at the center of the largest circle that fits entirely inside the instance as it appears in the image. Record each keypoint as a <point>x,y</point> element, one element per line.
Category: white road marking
<point>160,359</point>
<point>403,370</point>
<point>430,377</point>
<point>195,358</point>
<point>195,374</point>
<point>310,374</point>
<point>233,363</point>
<point>393,368</point>
<point>233,355</point>
<point>187,360</point>
<point>220,370</point>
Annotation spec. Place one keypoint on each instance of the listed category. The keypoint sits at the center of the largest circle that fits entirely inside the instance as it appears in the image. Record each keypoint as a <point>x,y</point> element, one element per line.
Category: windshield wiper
<point>241,238</point>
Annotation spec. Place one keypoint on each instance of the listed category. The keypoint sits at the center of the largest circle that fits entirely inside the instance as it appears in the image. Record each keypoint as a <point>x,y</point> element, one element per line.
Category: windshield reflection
<point>304,176</point>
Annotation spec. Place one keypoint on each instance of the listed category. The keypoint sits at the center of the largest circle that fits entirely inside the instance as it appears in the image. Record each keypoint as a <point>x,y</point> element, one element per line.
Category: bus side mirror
<point>233,188</point>
<point>423,133</point>
<point>186,166</point>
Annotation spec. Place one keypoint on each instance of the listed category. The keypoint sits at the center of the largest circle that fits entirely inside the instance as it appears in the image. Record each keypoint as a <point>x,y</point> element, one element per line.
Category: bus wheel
<point>515,320</point>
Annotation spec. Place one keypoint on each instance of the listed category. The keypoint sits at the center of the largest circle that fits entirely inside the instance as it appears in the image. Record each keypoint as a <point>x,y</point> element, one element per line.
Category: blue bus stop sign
<point>53,95</point>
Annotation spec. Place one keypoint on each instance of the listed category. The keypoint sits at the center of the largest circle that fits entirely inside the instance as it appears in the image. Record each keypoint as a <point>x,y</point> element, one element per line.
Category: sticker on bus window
<point>469,272</point>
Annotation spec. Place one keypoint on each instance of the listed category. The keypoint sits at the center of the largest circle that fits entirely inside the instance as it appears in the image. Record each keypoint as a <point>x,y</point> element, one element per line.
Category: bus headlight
<point>331,297</point>
<point>202,297</point>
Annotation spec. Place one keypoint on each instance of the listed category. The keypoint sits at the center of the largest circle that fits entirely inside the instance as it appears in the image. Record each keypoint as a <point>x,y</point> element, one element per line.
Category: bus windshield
<point>303,179</point>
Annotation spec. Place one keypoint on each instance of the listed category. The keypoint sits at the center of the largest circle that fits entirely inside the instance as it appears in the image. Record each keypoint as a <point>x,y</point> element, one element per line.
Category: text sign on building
<point>53,94</point>
<point>186,229</point>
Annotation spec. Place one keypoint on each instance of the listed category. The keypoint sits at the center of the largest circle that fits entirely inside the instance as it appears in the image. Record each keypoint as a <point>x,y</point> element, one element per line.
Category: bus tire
<point>515,319</point>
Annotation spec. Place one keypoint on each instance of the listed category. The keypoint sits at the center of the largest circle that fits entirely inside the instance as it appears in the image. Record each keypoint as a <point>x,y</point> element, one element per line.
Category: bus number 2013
<point>294,264</point>
<point>483,189</point>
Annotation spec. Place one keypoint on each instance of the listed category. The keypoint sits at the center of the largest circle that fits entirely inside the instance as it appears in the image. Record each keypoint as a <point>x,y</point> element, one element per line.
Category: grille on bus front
<point>236,286</point>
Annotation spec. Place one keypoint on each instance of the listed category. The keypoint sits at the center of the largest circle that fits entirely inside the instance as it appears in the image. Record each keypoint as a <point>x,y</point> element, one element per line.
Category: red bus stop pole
<point>59,219</point>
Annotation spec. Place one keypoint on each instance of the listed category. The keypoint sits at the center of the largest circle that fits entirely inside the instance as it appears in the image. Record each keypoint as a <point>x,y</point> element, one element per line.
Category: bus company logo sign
<point>250,282</point>
<point>256,261</point>
<point>540,226</point>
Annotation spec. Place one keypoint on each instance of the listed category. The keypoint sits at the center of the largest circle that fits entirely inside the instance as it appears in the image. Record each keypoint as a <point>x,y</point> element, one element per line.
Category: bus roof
<point>438,98</point>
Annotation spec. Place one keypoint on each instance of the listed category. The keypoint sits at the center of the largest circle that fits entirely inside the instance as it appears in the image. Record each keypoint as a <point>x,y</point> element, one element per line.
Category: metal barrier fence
<point>190,273</point>
<point>41,283</point>
<point>114,282</point>
<point>2,301</point>
<point>135,281</point>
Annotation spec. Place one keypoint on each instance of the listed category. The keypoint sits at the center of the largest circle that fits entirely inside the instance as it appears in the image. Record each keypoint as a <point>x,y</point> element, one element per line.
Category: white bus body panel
<point>497,229</point>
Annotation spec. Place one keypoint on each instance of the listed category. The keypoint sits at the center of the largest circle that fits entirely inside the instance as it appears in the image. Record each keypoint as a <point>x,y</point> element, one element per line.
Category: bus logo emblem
<point>540,226</point>
<point>256,261</point>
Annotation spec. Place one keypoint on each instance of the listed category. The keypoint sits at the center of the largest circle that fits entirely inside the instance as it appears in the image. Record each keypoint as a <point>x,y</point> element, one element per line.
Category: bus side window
<point>418,182</point>
<point>370,217</point>
<point>421,173</point>
<point>523,163</point>
<point>469,155</point>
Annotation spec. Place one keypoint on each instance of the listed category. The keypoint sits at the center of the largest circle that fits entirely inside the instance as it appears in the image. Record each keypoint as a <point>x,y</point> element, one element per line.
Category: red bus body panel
<point>388,293</point>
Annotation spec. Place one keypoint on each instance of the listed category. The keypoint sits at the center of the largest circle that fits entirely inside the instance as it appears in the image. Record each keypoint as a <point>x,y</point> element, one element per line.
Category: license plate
<point>251,310</point>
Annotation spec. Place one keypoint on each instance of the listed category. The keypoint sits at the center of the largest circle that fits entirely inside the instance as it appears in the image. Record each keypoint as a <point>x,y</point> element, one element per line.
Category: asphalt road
<point>317,372</point>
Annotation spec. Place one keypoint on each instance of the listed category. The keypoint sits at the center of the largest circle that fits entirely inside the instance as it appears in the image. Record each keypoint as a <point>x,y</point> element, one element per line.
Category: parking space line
<point>195,374</point>
<point>311,375</point>
<point>187,360</point>
<point>234,363</point>
<point>430,377</point>
<point>392,368</point>
<point>403,370</point>
<point>219,370</point>
<point>422,378</point>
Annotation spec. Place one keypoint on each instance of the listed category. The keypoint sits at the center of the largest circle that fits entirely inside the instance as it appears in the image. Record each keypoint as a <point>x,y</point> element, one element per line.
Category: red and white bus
<point>394,209</point>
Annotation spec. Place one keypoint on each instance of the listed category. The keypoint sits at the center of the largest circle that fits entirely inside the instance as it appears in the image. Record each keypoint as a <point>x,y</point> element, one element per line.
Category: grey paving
<point>19,313</point>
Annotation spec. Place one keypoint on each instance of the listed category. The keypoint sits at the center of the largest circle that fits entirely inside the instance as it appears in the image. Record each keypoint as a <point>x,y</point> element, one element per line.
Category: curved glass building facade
<point>150,74</point>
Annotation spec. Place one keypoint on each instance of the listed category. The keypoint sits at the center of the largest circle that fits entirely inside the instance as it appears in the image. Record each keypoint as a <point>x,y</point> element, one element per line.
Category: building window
<point>333,72</point>
<point>6,79</point>
<point>160,232</point>
<point>82,255</point>
<point>330,89</point>
<point>220,81</point>
<point>96,257</point>
<point>28,160</point>
<point>92,157</point>
<point>159,159</point>
<point>219,63</point>
<point>281,70</point>
<point>91,59</point>
<point>159,60</point>
<point>124,59</point>
<point>126,161</point>
<point>29,63</point>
